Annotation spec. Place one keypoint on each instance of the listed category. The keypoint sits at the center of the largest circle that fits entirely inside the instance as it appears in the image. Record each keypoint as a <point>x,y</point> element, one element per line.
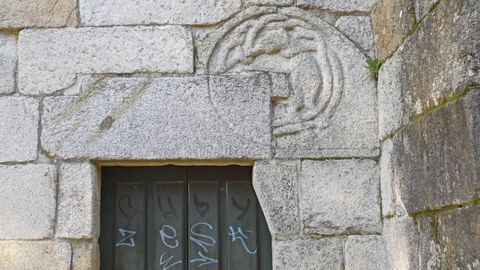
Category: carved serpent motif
<point>290,44</point>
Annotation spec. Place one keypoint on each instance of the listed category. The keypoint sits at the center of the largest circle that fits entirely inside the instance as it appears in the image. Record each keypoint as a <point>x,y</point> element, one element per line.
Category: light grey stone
<point>444,240</point>
<point>400,238</point>
<point>18,129</point>
<point>268,2</point>
<point>366,253</point>
<point>161,118</point>
<point>391,106</point>
<point>28,201</point>
<point>340,196</point>
<point>386,179</point>
<point>34,13</point>
<point>126,12</point>
<point>358,29</point>
<point>331,110</point>
<point>78,201</point>
<point>276,185</point>
<point>34,255</point>
<point>51,59</point>
<point>392,204</point>
<point>85,256</point>
<point>422,7</point>
<point>8,62</point>
<point>280,85</point>
<point>339,5</point>
<point>308,254</point>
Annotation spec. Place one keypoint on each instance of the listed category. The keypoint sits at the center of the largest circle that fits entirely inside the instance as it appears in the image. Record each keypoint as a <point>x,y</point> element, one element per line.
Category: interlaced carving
<point>290,44</point>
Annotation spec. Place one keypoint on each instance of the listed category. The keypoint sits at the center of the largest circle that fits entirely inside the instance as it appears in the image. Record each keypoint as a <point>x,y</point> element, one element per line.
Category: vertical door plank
<point>203,225</point>
<point>264,242</point>
<point>130,226</point>
<point>241,224</point>
<point>166,235</point>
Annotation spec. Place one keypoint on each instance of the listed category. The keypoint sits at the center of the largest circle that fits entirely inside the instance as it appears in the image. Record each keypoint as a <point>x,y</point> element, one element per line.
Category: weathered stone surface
<point>78,201</point>
<point>340,196</point>
<point>358,29</point>
<point>392,204</point>
<point>336,5</point>
<point>366,253</point>
<point>400,237</point>
<point>85,256</point>
<point>34,255</point>
<point>437,158</point>
<point>308,254</point>
<point>392,21</point>
<point>161,118</point>
<point>331,109</point>
<point>422,7</point>
<point>391,104</point>
<point>458,238</point>
<point>436,64</point>
<point>447,240</point>
<point>276,185</point>
<point>386,179</point>
<point>18,129</point>
<point>35,13</point>
<point>8,62</point>
<point>269,2</point>
<point>280,85</point>
<point>126,12</point>
<point>28,201</point>
<point>50,59</point>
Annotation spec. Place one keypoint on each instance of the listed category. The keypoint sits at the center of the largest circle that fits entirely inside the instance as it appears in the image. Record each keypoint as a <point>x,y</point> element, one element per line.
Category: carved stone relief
<point>287,44</point>
<point>324,71</point>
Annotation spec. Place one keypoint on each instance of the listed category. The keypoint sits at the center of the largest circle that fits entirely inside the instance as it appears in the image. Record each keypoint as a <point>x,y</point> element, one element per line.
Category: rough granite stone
<point>338,5</point>
<point>85,256</point>
<point>400,237</point>
<point>391,202</point>
<point>51,59</point>
<point>78,201</point>
<point>308,254</point>
<point>458,238</point>
<point>18,129</point>
<point>392,21</point>
<point>161,118</point>
<point>331,109</point>
<point>8,62</point>
<point>268,2</point>
<point>276,185</point>
<point>446,240</point>
<point>34,13</point>
<point>437,158</point>
<point>358,29</point>
<point>340,196</point>
<point>391,105</point>
<point>366,253</point>
<point>437,64</point>
<point>386,179</point>
<point>127,12</point>
<point>422,7</point>
<point>28,201</point>
<point>34,255</point>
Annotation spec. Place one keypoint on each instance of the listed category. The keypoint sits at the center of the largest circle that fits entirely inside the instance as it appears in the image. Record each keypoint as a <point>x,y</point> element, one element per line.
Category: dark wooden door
<point>173,218</point>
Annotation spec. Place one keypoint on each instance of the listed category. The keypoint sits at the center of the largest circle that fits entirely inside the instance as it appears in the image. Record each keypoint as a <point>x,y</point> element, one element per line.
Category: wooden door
<point>173,218</point>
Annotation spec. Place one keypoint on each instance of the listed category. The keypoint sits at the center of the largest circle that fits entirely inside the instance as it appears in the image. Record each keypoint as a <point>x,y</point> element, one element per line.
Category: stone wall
<point>279,85</point>
<point>429,118</point>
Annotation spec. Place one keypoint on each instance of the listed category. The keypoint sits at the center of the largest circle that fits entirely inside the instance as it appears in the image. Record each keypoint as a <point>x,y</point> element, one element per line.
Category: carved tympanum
<point>290,42</point>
